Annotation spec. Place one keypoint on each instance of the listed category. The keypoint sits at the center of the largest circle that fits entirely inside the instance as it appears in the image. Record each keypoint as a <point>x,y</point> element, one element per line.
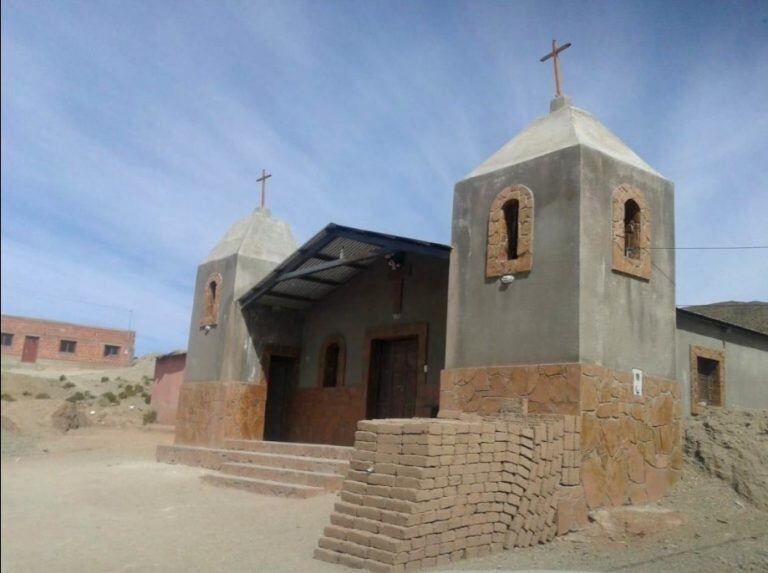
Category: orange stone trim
<point>712,354</point>
<point>341,371</point>
<point>325,415</point>
<point>211,412</point>
<point>211,305</point>
<point>637,267</point>
<point>497,261</point>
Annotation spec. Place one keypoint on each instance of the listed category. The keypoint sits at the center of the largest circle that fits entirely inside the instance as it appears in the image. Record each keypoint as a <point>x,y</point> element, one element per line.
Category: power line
<point>708,248</point>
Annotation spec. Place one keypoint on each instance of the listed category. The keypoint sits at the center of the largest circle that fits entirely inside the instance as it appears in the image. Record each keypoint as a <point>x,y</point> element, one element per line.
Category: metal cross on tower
<point>556,63</point>
<point>263,181</point>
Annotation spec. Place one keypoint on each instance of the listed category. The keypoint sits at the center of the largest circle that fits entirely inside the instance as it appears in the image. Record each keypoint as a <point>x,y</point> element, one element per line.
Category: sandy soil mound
<point>9,425</point>
<point>732,445</point>
<point>27,385</point>
<point>69,417</point>
<point>115,397</point>
<point>32,417</point>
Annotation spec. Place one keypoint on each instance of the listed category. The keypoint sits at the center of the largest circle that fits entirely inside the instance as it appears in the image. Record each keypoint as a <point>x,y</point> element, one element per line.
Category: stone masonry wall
<point>425,492</point>
<point>620,448</point>
<point>211,412</point>
<point>488,390</point>
<point>631,446</point>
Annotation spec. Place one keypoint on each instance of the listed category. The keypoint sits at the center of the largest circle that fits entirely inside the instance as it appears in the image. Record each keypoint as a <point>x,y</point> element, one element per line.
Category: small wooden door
<point>279,382</point>
<point>394,372</point>
<point>29,351</point>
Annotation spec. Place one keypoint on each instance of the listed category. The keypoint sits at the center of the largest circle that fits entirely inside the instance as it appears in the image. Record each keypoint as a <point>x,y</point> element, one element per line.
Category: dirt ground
<point>94,499</point>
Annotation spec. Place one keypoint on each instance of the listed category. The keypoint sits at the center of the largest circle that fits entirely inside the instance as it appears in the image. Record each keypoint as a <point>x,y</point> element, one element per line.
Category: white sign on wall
<point>637,382</point>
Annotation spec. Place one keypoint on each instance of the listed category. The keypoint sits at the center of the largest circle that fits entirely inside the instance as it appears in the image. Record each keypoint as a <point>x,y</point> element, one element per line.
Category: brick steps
<point>263,486</point>
<point>325,480</point>
<point>301,463</point>
<point>270,468</point>
<point>291,448</point>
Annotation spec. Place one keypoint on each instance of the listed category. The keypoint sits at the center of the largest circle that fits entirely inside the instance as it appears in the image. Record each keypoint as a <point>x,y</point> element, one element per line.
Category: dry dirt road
<point>94,500</point>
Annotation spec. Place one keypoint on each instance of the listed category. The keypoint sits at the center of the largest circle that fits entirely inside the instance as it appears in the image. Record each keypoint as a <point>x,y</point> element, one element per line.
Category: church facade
<point>554,260</point>
<point>554,306</point>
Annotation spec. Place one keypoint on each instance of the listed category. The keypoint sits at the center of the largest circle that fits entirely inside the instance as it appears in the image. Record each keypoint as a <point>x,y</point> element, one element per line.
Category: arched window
<point>511,215</point>
<point>632,229</point>
<point>212,288</point>
<point>332,362</point>
<point>211,300</point>
<point>510,232</point>
<point>631,232</point>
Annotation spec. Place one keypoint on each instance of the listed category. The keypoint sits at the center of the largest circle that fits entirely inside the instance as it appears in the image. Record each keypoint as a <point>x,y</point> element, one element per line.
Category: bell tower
<point>222,396</point>
<point>561,253</point>
<point>561,300</point>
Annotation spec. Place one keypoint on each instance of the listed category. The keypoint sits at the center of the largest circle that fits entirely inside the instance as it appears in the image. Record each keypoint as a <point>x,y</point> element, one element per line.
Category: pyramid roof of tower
<point>564,127</point>
<point>258,235</point>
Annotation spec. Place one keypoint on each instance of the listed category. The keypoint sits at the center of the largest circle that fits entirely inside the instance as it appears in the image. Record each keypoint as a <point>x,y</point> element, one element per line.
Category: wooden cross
<point>556,62</point>
<point>263,180</point>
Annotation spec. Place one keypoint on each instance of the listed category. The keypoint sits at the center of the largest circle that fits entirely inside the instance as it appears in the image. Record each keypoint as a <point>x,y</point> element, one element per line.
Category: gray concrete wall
<point>626,322</point>
<point>746,361</point>
<point>225,352</point>
<point>536,318</point>
<point>204,350</point>
<point>366,302</point>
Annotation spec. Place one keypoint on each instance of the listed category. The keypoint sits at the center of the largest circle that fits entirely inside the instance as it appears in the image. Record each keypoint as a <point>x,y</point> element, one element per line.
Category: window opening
<point>67,346</point>
<point>511,217</point>
<point>212,287</point>
<point>331,365</point>
<point>631,229</point>
<point>708,380</point>
<point>110,350</point>
<point>7,339</point>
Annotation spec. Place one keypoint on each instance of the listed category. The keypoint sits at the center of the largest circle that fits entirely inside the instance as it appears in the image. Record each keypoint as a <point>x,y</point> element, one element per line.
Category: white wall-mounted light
<point>507,279</point>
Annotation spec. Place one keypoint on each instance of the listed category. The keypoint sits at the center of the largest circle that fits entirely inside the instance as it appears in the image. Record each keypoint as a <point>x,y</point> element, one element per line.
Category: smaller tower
<point>221,396</point>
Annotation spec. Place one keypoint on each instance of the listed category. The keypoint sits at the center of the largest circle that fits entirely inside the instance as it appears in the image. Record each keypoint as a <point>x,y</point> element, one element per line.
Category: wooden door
<point>393,377</point>
<point>279,382</point>
<point>29,351</point>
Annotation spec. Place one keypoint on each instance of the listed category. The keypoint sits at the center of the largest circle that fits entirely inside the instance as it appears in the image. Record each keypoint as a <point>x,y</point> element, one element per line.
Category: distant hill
<point>753,315</point>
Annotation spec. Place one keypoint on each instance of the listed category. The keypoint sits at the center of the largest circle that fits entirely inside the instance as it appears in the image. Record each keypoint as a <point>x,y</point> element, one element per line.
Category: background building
<point>169,374</point>
<point>34,340</point>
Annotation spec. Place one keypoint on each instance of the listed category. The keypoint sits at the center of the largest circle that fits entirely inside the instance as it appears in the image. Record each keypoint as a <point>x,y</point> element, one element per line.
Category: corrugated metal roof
<point>328,260</point>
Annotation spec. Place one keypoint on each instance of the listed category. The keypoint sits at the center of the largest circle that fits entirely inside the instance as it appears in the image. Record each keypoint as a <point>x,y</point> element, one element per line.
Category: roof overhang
<point>328,260</point>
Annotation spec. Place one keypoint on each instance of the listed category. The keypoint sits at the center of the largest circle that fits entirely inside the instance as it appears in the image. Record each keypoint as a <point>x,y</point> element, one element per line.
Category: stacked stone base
<point>425,492</point>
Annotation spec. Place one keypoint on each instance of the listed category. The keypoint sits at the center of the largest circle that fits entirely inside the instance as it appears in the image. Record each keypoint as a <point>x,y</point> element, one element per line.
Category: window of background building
<point>7,339</point>
<point>68,346</point>
<point>110,350</point>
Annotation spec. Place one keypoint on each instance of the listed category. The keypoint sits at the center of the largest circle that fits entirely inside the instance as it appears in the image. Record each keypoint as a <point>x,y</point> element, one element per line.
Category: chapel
<point>540,356</point>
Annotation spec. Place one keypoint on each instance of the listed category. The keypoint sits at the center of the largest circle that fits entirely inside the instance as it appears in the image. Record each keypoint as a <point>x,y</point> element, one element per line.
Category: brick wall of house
<point>90,341</point>
<point>169,375</point>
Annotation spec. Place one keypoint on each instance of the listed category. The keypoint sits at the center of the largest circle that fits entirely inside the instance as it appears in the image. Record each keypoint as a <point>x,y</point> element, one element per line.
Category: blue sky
<point>133,132</point>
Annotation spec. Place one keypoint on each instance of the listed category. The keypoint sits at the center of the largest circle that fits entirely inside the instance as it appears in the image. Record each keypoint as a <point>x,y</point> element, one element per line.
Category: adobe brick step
<point>214,458</point>
<point>292,448</point>
<point>303,463</point>
<point>263,486</point>
<point>327,481</point>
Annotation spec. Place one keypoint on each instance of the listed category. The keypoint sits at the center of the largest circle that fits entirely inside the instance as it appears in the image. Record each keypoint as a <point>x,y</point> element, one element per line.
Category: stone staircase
<point>270,468</point>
